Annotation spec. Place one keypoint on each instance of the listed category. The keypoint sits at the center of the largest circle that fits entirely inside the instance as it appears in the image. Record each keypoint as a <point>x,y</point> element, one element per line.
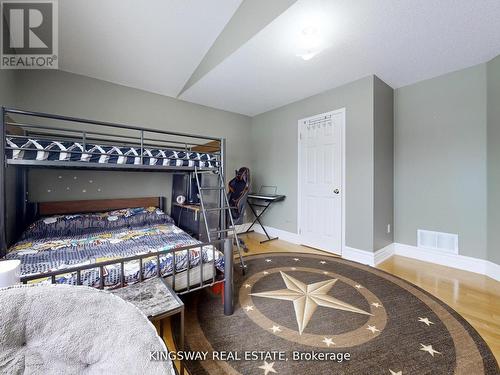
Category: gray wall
<point>440,159</point>
<point>493,70</point>
<point>274,139</point>
<point>7,87</point>
<point>383,164</point>
<point>54,185</point>
<point>70,94</point>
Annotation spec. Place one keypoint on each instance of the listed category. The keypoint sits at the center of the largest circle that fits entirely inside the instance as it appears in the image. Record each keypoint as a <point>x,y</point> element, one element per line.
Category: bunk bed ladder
<point>223,208</point>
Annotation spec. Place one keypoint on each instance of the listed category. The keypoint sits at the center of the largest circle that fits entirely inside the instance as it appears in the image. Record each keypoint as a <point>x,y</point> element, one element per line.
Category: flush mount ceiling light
<point>310,43</point>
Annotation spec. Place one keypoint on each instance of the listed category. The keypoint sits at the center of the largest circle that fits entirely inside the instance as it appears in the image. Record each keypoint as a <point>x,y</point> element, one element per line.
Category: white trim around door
<point>301,122</point>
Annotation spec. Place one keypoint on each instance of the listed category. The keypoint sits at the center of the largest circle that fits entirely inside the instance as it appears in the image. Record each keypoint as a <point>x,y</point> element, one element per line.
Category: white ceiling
<point>401,41</point>
<point>154,45</point>
<point>157,47</point>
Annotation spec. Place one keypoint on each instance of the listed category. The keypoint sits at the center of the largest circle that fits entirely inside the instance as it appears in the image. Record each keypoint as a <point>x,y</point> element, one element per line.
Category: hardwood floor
<point>255,247</point>
<point>475,297</point>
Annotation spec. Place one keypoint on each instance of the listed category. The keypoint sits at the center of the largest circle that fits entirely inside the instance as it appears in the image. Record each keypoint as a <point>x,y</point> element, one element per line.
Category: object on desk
<point>181,199</point>
<point>262,200</point>
<point>268,190</point>
<point>193,195</point>
<point>186,216</point>
<point>9,272</point>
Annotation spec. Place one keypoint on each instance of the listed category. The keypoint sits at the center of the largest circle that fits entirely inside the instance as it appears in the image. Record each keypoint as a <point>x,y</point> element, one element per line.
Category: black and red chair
<point>238,189</point>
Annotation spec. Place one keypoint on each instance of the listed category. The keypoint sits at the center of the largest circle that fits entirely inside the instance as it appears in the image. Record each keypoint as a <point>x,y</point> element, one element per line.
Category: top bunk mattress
<point>21,149</point>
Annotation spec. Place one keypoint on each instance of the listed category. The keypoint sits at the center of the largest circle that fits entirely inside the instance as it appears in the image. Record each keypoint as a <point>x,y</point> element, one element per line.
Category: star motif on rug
<point>357,286</point>
<point>275,329</point>
<point>269,260</point>
<point>429,349</point>
<point>248,308</point>
<point>373,329</point>
<point>396,373</point>
<point>328,341</point>
<point>322,262</point>
<point>425,320</point>
<point>376,304</point>
<point>268,367</point>
<point>247,286</point>
<point>296,259</point>
<point>307,297</point>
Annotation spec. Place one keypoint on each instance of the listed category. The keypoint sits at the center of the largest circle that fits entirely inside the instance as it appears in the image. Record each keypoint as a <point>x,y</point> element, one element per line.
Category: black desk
<point>262,201</point>
<point>189,218</point>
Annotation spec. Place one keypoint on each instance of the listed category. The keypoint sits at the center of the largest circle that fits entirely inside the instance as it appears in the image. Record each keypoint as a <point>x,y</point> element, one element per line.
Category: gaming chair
<point>237,195</point>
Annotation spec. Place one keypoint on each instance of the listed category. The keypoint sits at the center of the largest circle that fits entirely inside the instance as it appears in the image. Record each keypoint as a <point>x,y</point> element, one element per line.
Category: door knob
<point>336,191</point>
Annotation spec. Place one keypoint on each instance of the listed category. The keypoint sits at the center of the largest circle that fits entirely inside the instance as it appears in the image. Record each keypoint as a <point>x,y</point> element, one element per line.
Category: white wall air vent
<point>445,242</point>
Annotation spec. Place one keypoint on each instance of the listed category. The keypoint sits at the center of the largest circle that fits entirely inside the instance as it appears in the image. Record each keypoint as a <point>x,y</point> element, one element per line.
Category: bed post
<point>223,221</point>
<point>21,200</point>
<point>3,225</point>
<point>163,204</point>
<point>228,242</point>
<point>228,274</point>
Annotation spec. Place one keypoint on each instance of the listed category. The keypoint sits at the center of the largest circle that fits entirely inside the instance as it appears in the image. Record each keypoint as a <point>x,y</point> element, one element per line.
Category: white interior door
<point>321,180</point>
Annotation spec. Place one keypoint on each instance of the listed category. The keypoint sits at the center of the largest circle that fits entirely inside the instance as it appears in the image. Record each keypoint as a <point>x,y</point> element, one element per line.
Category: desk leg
<point>249,230</point>
<point>257,218</point>
<point>270,239</point>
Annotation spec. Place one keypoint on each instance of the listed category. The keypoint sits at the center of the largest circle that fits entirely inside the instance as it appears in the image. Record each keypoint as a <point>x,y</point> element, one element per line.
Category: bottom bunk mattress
<point>57,243</point>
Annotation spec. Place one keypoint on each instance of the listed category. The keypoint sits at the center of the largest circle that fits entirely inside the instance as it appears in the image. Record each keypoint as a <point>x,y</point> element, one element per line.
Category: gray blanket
<point>62,329</point>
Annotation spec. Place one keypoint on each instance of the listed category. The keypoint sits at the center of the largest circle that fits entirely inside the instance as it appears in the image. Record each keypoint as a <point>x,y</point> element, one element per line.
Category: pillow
<point>138,217</point>
<point>71,225</point>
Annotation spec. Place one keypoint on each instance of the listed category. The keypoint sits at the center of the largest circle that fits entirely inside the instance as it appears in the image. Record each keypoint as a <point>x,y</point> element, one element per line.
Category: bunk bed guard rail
<point>49,128</point>
<point>99,140</point>
<point>141,257</point>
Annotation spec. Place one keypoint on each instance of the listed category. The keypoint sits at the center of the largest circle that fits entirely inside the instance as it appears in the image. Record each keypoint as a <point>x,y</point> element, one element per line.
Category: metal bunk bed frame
<point>140,141</point>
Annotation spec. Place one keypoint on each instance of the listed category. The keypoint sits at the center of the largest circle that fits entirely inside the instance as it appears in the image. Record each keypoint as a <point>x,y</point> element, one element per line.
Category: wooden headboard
<point>98,205</point>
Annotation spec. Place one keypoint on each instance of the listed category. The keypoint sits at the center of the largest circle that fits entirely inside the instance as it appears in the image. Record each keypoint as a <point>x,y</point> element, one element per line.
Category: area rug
<point>310,314</point>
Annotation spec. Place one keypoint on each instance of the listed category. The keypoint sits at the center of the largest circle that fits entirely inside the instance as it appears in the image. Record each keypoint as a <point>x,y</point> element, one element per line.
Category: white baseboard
<point>273,232</point>
<point>240,228</point>
<point>462,262</point>
<point>368,257</point>
<point>493,270</point>
<point>383,254</point>
<point>281,234</point>
<point>357,255</point>
<point>361,256</point>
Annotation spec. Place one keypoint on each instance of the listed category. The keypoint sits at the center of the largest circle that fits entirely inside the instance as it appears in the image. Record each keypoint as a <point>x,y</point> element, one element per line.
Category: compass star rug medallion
<point>335,317</point>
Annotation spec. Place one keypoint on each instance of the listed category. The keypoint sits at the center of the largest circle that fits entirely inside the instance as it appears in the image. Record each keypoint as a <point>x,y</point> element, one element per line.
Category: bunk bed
<point>41,140</point>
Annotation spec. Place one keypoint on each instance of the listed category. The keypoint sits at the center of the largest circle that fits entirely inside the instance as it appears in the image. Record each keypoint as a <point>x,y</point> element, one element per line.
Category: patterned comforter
<point>61,242</point>
<point>22,148</point>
